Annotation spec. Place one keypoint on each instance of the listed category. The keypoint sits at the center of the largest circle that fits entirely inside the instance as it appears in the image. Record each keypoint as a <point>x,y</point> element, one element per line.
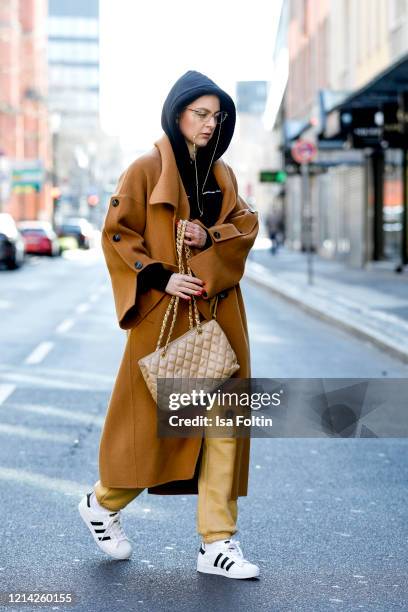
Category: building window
<point>398,12</point>
<point>73,27</point>
<point>75,101</point>
<point>305,16</point>
<point>73,51</point>
<point>72,76</point>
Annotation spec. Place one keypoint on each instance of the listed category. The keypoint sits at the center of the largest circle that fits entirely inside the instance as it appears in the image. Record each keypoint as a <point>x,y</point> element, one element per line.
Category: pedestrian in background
<point>275,226</point>
<point>181,177</point>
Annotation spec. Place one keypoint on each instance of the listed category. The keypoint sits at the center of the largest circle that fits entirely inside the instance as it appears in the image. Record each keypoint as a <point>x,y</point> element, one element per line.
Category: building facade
<point>25,153</point>
<point>73,68</point>
<point>337,48</point>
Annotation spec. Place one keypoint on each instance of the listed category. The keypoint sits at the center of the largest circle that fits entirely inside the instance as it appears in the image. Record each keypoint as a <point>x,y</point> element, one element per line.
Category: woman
<point>182,177</point>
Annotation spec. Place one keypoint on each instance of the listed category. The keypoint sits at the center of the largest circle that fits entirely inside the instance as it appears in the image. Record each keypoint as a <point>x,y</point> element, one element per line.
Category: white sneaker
<point>106,529</point>
<point>225,557</point>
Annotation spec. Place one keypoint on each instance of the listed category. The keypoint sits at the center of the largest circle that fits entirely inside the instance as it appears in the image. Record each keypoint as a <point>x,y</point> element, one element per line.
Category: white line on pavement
<point>66,374</point>
<point>5,391</point>
<point>82,307</point>
<point>50,383</point>
<point>65,326</point>
<point>39,352</point>
<point>34,434</point>
<point>81,417</point>
<point>67,487</point>
<point>59,485</point>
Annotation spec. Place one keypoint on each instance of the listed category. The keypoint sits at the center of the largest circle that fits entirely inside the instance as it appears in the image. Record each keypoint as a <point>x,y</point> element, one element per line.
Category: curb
<point>352,317</point>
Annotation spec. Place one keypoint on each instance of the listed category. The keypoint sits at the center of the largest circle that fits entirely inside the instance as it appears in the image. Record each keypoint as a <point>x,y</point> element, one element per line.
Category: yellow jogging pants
<point>216,512</point>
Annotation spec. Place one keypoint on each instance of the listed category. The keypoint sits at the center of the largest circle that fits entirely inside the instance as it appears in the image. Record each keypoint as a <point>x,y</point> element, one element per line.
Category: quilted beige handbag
<point>202,353</point>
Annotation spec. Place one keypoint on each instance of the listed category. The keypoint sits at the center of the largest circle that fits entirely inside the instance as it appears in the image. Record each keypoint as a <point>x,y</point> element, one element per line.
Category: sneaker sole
<point>220,572</point>
<point>84,515</point>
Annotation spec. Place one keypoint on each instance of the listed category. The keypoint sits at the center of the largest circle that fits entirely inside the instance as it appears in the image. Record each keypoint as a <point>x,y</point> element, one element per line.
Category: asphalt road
<point>326,519</point>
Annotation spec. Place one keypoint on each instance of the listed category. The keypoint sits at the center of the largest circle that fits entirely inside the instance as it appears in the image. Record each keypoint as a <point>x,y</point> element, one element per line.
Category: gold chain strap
<point>182,249</point>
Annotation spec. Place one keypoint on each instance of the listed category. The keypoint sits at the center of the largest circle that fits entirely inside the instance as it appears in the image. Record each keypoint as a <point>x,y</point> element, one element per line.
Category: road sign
<point>303,151</point>
<point>28,174</point>
<point>272,176</point>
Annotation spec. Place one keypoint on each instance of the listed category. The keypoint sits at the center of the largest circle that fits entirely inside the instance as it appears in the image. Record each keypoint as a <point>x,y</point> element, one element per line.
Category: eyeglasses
<point>205,115</point>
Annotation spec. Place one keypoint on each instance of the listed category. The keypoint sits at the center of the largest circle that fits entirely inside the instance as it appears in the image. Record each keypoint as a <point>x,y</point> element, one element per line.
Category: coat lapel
<point>167,187</point>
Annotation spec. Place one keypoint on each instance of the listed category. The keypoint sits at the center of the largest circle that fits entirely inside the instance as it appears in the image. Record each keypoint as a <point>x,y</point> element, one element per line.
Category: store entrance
<point>392,206</point>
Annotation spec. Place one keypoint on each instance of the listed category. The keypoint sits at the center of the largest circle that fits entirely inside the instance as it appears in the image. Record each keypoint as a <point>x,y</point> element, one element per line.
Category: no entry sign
<point>303,151</point>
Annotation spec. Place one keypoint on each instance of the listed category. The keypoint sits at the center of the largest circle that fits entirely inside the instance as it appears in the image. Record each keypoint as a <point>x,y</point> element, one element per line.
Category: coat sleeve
<point>222,265</point>
<point>153,276</point>
<point>123,245</point>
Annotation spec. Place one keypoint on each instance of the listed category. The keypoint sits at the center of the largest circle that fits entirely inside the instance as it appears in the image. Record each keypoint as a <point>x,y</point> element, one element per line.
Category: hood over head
<point>185,90</point>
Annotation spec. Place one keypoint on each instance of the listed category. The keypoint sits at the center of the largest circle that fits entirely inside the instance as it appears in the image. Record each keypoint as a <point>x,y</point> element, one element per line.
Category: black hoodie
<point>185,90</point>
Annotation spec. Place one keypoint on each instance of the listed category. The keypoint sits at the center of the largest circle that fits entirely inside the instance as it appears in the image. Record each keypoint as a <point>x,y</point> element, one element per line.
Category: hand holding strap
<point>183,251</point>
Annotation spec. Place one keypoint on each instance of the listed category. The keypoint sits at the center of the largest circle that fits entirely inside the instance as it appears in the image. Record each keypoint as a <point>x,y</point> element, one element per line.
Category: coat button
<point>115,201</point>
<point>223,294</point>
<point>116,237</point>
<point>217,235</point>
<point>138,265</point>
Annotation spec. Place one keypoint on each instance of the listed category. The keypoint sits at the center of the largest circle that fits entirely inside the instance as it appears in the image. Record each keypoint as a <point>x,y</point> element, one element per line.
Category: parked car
<point>80,229</point>
<point>12,247</point>
<point>39,238</point>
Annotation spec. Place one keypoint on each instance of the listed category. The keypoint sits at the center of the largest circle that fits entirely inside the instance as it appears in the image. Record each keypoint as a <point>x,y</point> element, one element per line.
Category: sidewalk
<point>372,303</point>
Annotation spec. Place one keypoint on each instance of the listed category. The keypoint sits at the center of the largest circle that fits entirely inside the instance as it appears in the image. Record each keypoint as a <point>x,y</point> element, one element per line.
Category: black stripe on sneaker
<point>113,514</point>
<point>229,565</point>
<point>217,559</point>
<point>88,499</point>
<point>99,530</point>
<point>96,522</point>
<point>104,538</point>
<point>202,551</point>
<point>224,561</point>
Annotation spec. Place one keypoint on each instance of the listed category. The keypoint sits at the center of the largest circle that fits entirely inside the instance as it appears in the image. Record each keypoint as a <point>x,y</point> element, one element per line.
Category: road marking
<point>65,326</point>
<point>83,307</point>
<point>56,379</point>
<point>34,434</point>
<point>5,391</point>
<point>81,417</point>
<point>39,352</point>
<point>66,487</point>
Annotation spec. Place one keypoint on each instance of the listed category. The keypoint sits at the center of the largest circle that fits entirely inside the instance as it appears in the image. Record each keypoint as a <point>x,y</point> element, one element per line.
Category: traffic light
<point>272,176</point>
<point>56,195</point>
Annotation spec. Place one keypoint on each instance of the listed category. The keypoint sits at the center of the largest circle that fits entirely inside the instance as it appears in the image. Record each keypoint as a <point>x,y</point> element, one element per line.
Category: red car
<point>39,238</point>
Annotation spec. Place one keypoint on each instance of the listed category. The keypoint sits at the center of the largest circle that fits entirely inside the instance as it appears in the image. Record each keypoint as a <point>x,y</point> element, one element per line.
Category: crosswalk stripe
<point>39,352</point>
<point>65,326</point>
<point>5,392</point>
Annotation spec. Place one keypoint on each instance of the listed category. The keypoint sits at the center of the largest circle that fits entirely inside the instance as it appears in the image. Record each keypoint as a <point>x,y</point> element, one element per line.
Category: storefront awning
<point>382,92</point>
<point>383,88</point>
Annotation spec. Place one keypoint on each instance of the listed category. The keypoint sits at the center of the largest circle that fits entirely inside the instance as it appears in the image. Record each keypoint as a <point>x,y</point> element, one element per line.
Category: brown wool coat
<point>139,229</point>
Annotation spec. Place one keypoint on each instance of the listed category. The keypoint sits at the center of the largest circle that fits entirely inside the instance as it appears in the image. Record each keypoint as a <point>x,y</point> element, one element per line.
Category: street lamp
<point>55,124</point>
